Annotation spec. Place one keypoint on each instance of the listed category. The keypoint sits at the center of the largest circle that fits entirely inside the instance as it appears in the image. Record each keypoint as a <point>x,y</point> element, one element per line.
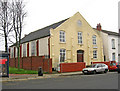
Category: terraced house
<point>69,41</point>
<point>119,46</point>
<point>110,45</point>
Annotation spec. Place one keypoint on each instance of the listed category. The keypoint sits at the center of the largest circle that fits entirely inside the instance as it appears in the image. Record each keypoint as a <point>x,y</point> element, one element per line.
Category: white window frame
<point>113,56</point>
<point>80,38</point>
<point>62,36</point>
<point>12,52</point>
<point>113,43</point>
<point>95,54</point>
<point>94,39</point>
<point>16,52</point>
<point>33,48</point>
<point>63,52</point>
<point>24,50</point>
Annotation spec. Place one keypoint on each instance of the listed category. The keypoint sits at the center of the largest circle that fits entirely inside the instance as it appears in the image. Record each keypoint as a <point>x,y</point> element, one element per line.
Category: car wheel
<point>84,73</point>
<point>94,72</point>
<point>118,71</point>
<point>105,71</point>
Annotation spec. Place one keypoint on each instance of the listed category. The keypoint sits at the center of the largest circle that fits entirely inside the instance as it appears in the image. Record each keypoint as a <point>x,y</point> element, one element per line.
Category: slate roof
<point>41,33</point>
<point>44,32</point>
<point>110,32</point>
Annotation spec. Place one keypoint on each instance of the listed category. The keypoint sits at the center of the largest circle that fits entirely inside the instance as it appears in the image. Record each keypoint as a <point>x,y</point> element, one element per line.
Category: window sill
<point>94,58</point>
<point>113,48</point>
<point>95,46</point>
<point>80,44</point>
<point>62,42</point>
<point>62,62</point>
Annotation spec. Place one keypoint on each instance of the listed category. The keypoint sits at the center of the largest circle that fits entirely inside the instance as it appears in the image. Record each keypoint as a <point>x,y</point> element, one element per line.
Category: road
<point>97,81</point>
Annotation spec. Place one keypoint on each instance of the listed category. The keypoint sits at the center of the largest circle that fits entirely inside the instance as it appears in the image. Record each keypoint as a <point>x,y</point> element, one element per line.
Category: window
<point>62,36</point>
<point>24,50</point>
<point>79,23</point>
<point>113,56</point>
<point>94,39</point>
<point>113,43</point>
<point>95,54</point>
<point>62,55</point>
<point>103,65</point>
<point>33,48</point>
<point>12,52</point>
<point>16,52</point>
<point>79,37</point>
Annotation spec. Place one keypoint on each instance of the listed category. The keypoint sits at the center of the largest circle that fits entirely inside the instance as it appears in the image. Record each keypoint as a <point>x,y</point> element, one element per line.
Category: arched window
<point>94,40</point>
<point>62,55</point>
<point>113,56</point>
<point>113,43</point>
<point>24,50</point>
<point>95,54</point>
<point>62,36</point>
<point>79,37</point>
<point>33,48</point>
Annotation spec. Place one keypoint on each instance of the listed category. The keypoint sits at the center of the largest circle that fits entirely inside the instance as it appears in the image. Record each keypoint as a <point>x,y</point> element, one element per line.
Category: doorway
<point>80,56</point>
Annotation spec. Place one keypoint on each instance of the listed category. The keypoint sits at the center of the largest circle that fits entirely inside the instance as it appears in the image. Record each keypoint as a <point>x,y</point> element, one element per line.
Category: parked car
<point>95,68</point>
<point>118,67</point>
<point>113,67</point>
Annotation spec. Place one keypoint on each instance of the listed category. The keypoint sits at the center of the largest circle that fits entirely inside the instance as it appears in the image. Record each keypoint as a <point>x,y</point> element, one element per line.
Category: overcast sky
<point>42,13</point>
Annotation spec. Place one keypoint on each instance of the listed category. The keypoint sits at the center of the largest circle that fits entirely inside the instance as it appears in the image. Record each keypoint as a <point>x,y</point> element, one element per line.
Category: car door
<point>102,67</point>
<point>98,69</point>
<point>105,67</point>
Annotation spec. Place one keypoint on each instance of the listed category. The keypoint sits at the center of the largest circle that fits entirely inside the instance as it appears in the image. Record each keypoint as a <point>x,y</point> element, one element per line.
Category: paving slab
<point>20,77</point>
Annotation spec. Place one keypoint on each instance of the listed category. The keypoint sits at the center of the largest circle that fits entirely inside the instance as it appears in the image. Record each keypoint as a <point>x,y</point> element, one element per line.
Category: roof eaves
<point>109,32</point>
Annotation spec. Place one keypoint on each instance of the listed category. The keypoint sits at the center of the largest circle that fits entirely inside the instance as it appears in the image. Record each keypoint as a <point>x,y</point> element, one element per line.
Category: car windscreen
<point>92,66</point>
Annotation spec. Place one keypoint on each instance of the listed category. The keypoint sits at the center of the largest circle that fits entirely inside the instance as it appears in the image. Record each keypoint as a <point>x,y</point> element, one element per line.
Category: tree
<point>18,20</point>
<point>12,14</point>
<point>5,21</point>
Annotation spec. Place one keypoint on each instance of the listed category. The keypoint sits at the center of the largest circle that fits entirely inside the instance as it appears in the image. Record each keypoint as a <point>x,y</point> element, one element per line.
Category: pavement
<point>20,77</point>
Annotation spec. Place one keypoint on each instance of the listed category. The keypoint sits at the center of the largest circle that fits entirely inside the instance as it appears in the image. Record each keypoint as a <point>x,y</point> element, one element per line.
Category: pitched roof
<point>110,32</point>
<point>41,33</point>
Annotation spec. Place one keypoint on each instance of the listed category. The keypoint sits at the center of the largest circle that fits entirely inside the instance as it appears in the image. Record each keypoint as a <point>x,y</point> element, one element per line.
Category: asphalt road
<point>97,81</point>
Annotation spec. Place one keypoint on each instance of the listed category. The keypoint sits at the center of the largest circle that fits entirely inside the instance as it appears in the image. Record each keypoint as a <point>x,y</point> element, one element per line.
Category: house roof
<point>41,33</point>
<point>44,32</point>
<point>110,32</point>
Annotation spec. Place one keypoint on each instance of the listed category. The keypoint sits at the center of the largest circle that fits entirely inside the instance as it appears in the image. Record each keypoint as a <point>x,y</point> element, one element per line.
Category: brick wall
<point>27,63</point>
<point>72,67</point>
<point>47,65</point>
<point>12,62</point>
<point>37,62</point>
<point>32,63</point>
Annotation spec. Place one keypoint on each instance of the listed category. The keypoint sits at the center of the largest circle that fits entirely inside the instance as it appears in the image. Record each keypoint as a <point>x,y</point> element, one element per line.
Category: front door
<point>80,54</point>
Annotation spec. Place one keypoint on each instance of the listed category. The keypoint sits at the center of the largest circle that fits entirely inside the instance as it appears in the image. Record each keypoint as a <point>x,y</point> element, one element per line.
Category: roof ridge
<point>49,25</point>
<point>45,27</point>
<point>107,31</point>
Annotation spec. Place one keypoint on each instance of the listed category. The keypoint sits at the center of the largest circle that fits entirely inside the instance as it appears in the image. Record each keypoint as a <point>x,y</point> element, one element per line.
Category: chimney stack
<point>25,35</point>
<point>98,27</point>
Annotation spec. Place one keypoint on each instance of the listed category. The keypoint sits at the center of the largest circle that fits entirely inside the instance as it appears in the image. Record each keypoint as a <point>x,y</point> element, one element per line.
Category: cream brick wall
<point>71,45</point>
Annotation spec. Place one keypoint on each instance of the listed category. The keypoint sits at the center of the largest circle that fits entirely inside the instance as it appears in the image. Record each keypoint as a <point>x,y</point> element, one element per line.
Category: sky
<point>41,13</point>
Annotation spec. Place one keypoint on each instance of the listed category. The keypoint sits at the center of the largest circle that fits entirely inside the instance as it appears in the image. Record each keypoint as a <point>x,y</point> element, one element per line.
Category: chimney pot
<point>98,27</point>
<point>25,35</point>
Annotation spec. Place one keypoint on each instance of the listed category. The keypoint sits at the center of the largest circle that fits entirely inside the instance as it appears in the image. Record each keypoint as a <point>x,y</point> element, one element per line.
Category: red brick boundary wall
<point>72,67</point>
<point>107,63</point>
<point>32,63</point>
